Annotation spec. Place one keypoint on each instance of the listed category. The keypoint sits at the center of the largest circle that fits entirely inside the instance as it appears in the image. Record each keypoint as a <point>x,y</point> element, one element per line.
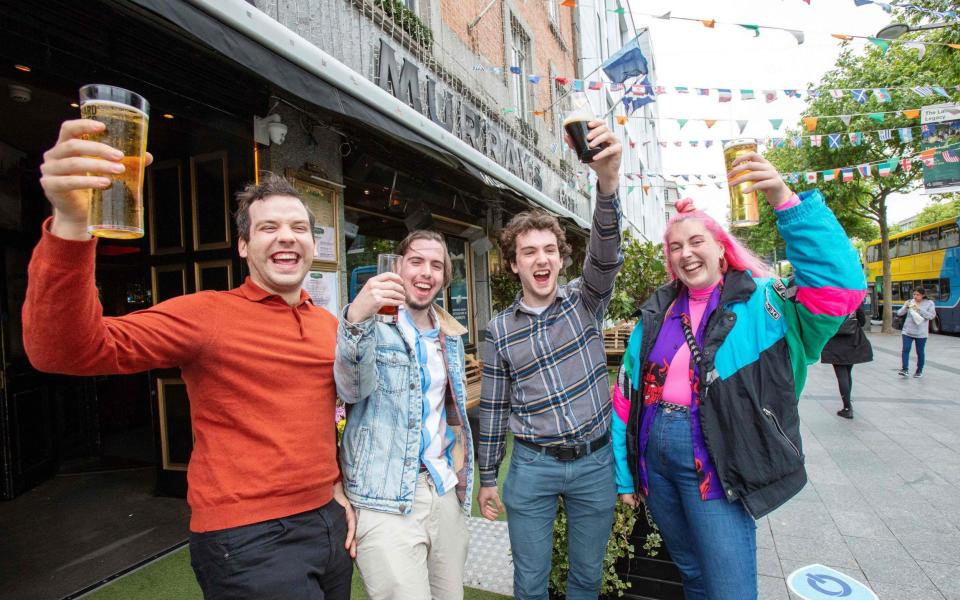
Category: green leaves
<point>642,273</point>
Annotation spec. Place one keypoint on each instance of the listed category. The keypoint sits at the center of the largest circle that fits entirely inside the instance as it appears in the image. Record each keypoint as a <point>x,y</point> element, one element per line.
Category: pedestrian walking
<point>848,347</point>
<point>917,313</point>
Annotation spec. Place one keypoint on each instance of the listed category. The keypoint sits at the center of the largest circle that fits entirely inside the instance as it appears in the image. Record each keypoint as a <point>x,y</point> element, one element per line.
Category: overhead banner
<point>940,128</point>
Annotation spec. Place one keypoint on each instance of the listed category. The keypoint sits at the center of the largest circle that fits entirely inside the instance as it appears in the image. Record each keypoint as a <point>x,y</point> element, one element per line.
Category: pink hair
<point>735,254</point>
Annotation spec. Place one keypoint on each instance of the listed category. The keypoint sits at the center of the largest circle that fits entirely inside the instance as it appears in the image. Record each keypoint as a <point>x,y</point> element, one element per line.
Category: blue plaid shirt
<point>547,374</point>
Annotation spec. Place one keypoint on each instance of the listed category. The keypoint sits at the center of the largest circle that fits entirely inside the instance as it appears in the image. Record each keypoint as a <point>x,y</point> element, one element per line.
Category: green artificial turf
<point>171,578</point>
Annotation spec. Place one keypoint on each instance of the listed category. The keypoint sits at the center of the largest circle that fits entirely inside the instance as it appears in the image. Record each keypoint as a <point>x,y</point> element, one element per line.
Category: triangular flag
<point>665,15</point>
<point>617,11</point>
<point>920,47</point>
<point>842,36</point>
<point>912,113</point>
<point>797,34</point>
<point>681,122</point>
<point>708,23</point>
<point>742,125</point>
<point>811,123</point>
<point>877,116</point>
<point>570,3</point>
<point>622,119</point>
<point>646,188</point>
<point>754,28</point>
<point>845,119</point>
<point>516,70</point>
<point>954,46</point>
<point>776,123</point>
<point>534,79</point>
<point>709,122</point>
<point>881,43</point>
<point>539,113</point>
<point>562,80</point>
<point>630,188</point>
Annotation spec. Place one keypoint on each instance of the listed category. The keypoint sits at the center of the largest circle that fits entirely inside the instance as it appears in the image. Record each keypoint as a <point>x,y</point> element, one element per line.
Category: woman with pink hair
<point>705,426</point>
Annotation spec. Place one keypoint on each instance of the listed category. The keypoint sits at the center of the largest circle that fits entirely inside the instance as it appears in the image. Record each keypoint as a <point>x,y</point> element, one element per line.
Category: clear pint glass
<point>388,263</point>
<point>117,211</point>
<point>743,207</point>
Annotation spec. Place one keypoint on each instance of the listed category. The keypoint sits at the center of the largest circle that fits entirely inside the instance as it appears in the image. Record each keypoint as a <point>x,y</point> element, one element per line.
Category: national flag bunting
<point>906,134</point>
<point>855,138</point>
<point>906,164</point>
<point>864,169</point>
<point>595,85</point>
<point>833,140</point>
<point>746,94</point>
<point>859,95</point>
<point>724,95</point>
<point>885,135</point>
<point>830,174</point>
<point>810,123</point>
<point>769,95</point>
<point>816,140</point>
<point>836,94</point>
<point>882,95</point>
<point>847,174</point>
<point>811,176</point>
<point>516,70</point>
<point>950,156</point>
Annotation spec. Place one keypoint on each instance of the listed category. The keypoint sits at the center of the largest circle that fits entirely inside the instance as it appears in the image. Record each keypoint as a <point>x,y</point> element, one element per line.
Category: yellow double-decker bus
<point>927,257</point>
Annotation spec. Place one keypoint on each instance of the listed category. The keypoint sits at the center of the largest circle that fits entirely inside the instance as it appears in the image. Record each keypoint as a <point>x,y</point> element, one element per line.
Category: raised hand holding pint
<point>117,211</point>
<point>577,126</point>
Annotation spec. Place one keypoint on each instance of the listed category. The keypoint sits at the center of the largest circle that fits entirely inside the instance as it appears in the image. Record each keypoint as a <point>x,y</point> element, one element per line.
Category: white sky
<point>728,56</point>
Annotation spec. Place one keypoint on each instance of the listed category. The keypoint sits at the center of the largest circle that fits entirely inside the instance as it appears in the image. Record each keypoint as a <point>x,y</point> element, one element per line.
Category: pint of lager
<point>576,124</point>
<point>117,211</point>
<point>388,263</point>
<point>743,207</point>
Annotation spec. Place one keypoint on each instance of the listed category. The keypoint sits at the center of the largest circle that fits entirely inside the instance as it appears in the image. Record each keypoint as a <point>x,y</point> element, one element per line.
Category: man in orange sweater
<point>269,518</point>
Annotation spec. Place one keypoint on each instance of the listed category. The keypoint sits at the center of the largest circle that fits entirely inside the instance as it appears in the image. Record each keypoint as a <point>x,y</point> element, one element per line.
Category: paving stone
<point>893,591</point>
<point>932,547</point>
<point>810,550</point>
<point>772,588</point>
<point>768,563</point>
<point>945,577</point>
<point>861,524</point>
<point>886,561</point>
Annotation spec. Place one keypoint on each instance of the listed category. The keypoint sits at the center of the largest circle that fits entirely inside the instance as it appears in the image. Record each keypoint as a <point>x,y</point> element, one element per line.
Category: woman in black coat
<point>848,347</point>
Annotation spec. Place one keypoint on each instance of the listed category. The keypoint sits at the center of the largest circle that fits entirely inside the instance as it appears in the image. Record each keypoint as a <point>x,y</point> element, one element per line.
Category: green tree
<point>866,198</point>
<point>642,273</point>
<point>938,211</point>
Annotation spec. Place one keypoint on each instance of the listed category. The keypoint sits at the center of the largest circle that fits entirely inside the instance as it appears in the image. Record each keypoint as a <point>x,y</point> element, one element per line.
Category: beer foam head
<point>116,105</point>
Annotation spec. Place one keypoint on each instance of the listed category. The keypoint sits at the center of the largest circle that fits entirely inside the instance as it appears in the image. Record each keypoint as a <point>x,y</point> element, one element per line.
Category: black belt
<point>568,453</point>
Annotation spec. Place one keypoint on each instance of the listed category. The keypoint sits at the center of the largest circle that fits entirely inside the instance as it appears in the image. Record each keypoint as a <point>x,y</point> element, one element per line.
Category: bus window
<point>949,237</point>
<point>895,292</point>
<point>872,253</point>
<point>906,290</point>
<point>907,245</point>
<point>928,240</point>
<point>893,248</point>
<point>932,288</point>
<point>944,290</point>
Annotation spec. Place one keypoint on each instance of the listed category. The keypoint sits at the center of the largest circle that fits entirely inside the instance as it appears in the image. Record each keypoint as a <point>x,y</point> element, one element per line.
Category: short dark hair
<point>270,184</point>
<point>427,234</point>
<point>921,291</point>
<point>530,220</point>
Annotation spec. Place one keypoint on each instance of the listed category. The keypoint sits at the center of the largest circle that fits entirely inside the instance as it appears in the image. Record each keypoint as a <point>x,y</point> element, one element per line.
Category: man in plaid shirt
<point>545,373</point>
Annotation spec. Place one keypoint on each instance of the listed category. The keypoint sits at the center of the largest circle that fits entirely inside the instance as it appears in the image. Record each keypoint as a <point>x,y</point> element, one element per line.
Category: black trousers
<point>300,557</point>
<point>844,381</point>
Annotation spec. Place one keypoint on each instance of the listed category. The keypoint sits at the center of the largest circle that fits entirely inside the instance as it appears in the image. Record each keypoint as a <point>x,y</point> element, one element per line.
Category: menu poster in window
<point>324,290</point>
<point>322,202</point>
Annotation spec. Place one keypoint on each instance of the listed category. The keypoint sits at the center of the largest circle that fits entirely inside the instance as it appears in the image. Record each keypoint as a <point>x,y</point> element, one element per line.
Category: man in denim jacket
<point>406,455</point>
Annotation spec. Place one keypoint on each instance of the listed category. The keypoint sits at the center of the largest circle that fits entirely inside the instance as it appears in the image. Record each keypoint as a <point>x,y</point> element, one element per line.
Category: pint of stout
<point>117,211</point>
<point>744,211</point>
<point>576,124</point>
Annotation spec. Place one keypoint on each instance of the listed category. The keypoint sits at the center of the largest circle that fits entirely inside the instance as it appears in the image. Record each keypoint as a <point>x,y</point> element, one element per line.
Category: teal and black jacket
<point>757,346</point>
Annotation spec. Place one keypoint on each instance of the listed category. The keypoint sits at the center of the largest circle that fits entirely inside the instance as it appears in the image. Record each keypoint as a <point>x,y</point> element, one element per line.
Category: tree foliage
<point>864,200</point>
<point>938,211</point>
<point>642,273</point>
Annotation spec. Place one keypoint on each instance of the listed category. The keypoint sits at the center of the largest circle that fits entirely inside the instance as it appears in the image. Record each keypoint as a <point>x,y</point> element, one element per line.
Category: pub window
<point>520,56</point>
<point>928,240</point>
<point>949,236</point>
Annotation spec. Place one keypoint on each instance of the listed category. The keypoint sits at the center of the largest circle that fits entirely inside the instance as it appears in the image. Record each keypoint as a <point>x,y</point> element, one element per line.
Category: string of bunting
<point>883,168</point>
<point>831,141</point>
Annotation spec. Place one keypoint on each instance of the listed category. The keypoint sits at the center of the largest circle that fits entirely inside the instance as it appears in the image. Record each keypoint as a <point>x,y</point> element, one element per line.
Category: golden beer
<point>117,211</point>
<point>743,206</point>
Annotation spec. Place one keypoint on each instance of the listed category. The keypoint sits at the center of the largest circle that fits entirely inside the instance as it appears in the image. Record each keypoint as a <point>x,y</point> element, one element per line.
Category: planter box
<point>650,577</point>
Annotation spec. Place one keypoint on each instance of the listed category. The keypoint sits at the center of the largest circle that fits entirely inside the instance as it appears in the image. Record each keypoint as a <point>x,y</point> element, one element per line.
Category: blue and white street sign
<point>817,582</point>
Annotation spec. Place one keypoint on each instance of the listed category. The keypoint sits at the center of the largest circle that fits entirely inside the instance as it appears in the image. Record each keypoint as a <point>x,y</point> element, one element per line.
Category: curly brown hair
<point>530,220</point>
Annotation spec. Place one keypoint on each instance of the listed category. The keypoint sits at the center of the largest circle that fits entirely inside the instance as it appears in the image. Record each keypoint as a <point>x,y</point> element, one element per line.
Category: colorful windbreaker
<point>756,346</point>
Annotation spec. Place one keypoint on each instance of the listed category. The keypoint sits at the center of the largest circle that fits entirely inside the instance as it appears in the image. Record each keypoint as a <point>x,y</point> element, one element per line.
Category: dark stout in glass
<point>577,128</point>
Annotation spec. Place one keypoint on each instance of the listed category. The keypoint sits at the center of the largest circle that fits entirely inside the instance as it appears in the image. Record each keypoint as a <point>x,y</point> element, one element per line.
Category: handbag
<point>849,325</point>
<point>898,321</point>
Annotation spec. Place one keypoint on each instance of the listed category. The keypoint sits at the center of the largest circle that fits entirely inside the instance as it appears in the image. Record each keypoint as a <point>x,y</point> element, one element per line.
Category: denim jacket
<point>378,378</point>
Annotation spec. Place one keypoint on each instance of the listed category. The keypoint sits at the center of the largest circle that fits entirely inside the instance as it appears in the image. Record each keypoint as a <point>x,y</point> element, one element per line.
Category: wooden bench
<point>615,342</point>
<point>473,369</point>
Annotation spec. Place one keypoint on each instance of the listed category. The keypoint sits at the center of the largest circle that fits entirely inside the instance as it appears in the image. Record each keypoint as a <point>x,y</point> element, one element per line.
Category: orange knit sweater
<point>259,374</point>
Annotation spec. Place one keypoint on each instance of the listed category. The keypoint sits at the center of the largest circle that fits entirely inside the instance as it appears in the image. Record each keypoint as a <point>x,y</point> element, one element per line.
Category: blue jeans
<point>713,542</point>
<point>905,354</point>
<point>589,491</point>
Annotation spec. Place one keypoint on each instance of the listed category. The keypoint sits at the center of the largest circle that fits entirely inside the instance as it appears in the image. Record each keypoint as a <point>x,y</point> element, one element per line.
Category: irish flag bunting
<point>830,174</point>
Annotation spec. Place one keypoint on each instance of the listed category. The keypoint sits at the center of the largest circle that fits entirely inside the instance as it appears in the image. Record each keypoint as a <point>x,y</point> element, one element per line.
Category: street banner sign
<point>817,582</point>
